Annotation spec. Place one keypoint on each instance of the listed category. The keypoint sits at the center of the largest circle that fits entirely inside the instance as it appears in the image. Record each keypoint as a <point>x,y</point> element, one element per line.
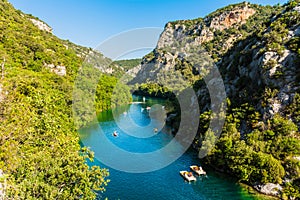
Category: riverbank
<point>268,190</point>
<point>246,187</point>
<point>265,191</point>
<point>255,193</point>
<point>165,183</point>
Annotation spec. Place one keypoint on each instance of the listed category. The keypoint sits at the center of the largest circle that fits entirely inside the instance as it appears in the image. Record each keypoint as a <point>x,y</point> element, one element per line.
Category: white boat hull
<point>184,174</point>
<point>199,172</point>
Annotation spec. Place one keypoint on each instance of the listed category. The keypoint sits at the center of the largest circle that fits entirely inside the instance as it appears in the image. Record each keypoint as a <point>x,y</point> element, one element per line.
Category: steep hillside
<point>40,155</point>
<point>126,69</point>
<point>256,49</point>
<point>216,33</point>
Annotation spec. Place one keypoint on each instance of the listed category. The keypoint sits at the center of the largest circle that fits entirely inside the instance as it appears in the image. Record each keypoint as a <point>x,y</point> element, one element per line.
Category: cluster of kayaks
<point>189,176</point>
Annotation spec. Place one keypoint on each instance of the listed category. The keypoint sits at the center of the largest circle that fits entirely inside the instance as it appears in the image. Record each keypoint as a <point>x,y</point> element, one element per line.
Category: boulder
<point>269,189</point>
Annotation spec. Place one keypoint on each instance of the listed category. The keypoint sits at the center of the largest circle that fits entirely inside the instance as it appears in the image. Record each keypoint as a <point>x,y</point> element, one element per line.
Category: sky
<point>90,22</point>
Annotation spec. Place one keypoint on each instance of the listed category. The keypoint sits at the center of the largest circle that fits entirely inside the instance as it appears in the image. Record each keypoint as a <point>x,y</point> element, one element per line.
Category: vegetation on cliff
<point>256,49</point>
<point>40,153</point>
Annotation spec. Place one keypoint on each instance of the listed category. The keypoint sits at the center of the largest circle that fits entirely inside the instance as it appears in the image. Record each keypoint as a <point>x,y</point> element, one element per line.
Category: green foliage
<point>293,109</point>
<point>283,127</point>
<point>267,169</point>
<point>188,23</point>
<point>257,149</point>
<point>292,167</point>
<point>121,95</point>
<point>39,145</point>
<point>253,25</point>
<point>264,155</point>
<point>227,8</point>
<point>208,142</point>
<point>154,90</point>
<point>150,56</point>
<point>292,4</point>
<point>95,91</point>
<point>187,70</point>
<point>294,44</point>
<point>120,67</point>
<point>256,152</point>
<point>292,190</point>
<point>27,47</point>
<point>128,64</point>
<point>276,37</point>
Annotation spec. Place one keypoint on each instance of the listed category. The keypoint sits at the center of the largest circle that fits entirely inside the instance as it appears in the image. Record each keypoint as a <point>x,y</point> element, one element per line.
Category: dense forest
<point>40,154</point>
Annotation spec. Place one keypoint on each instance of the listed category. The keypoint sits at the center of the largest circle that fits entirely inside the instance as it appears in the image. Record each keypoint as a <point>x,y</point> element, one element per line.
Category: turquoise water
<point>165,183</point>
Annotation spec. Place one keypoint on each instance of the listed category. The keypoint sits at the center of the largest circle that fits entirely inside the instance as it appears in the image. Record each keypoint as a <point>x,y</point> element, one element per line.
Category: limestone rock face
<point>248,66</point>
<point>269,189</point>
<point>41,25</point>
<point>297,8</point>
<point>133,72</point>
<point>59,70</point>
<point>259,68</point>
<point>228,19</point>
<point>204,32</point>
<point>268,69</point>
<point>180,41</point>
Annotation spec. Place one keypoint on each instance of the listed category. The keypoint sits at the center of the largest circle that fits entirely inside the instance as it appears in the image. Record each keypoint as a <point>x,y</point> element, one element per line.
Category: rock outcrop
<point>246,66</point>
<point>134,71</point>
<point>41,25</point>
<point>259,66</point>
<point>269,189</point>
<point>181,40</point>
<point>228,19</point>
<point>59,70</point>
<point>203,30</point>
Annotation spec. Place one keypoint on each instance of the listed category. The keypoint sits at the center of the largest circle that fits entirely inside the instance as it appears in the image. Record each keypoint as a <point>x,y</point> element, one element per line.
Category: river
<point>164,184</point>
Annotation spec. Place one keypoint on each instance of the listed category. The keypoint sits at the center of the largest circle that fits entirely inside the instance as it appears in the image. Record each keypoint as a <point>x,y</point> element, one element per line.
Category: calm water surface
<point>164,184</point>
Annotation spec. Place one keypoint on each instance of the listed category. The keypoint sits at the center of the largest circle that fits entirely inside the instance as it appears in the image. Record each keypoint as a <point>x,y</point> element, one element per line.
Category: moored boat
<point>188,176</point>
<point>115,134</point>
<point>198,170</point>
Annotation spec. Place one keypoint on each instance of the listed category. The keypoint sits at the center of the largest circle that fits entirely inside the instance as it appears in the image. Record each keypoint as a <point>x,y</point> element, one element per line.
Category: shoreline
<point>256,193</point>
<point>244,186</point>
<point>249,188</point>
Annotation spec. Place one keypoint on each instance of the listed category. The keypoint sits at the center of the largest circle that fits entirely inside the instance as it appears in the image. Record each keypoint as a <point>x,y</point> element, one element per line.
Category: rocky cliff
<point>216,34</point>
<point>256,50</point>
<point>202,30</point>
<point>41,25</point>
<point>247,62</point>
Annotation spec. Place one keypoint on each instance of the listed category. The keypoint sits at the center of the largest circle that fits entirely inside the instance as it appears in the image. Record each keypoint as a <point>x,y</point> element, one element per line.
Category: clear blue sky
<point>89,22</point>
